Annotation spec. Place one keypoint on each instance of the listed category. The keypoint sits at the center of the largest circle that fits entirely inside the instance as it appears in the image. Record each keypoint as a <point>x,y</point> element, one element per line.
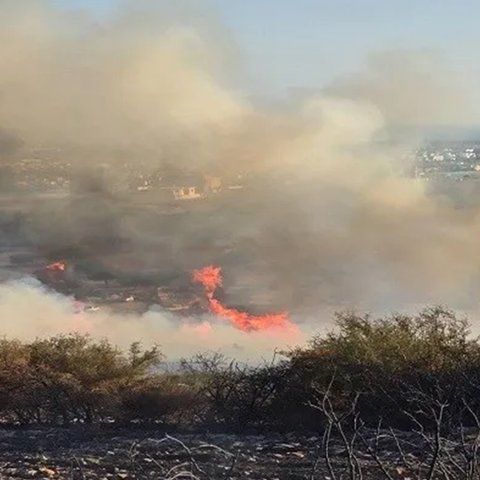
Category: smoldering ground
<point>330,220</point>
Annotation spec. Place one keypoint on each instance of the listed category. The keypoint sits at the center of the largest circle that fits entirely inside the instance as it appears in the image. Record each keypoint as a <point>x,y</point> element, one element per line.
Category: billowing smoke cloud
<point>120,85</point>
<point>332,221</point>
<point>30,311</point>
<point>412,89</point>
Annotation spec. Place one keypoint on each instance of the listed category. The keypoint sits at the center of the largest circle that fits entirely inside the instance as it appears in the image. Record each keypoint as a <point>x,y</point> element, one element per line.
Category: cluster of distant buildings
<point>189,186</point>
<point>52,174</point>
<point>33,174</point>
<point>49,172</point>
<point>459,160</point>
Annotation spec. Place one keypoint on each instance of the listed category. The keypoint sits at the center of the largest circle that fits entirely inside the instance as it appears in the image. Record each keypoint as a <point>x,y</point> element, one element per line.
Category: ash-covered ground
<point>143,454</point>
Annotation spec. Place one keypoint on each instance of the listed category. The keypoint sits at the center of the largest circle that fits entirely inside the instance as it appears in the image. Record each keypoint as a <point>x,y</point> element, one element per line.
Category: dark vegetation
<point>407,384</point>
<point>386,366</point>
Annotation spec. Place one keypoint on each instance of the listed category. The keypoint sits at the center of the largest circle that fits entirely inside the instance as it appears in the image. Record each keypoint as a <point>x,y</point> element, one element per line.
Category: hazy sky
<point>296,43</point>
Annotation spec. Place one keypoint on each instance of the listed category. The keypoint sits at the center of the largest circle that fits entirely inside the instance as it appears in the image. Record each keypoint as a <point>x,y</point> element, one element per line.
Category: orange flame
<point>211,278</point>
<point>57,267</point>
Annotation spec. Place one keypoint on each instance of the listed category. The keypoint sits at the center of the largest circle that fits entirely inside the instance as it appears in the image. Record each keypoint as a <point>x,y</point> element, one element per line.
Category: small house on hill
<point>187,187</point>
<point>187,193</point>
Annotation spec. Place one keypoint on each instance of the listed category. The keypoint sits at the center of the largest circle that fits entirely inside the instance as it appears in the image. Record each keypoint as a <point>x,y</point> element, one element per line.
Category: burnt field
<point>137,249</point>
<point>142,249</point>
<point>143,454</point>
<point>53,453</point>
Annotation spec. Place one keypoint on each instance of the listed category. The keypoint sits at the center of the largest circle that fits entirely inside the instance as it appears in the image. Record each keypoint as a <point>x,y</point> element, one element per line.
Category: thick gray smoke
<point>31,311</point>
<point>140,82</point>
<point>332,222</point>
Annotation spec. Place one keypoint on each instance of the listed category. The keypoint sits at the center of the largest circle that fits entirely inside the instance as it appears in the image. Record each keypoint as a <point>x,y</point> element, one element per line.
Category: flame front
<point>57,267</point>
<point>211,278</point>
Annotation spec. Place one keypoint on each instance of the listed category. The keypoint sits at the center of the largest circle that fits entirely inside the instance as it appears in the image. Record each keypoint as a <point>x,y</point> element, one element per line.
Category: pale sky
<point>307,43</point>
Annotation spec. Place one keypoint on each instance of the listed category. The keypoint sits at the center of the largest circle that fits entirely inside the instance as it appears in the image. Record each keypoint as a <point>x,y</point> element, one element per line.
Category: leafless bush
<point>439,445</point>
<point>188,466</point>
<point>235,395</point>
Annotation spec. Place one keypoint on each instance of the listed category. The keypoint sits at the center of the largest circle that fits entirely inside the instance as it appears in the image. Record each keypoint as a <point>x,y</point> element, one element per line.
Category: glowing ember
<point>211,278</point>
<point>57,267</point>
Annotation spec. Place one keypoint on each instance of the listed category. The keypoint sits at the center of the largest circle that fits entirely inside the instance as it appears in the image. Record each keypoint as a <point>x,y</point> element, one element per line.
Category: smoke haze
<point>335,222</point>
<point>31,311</point>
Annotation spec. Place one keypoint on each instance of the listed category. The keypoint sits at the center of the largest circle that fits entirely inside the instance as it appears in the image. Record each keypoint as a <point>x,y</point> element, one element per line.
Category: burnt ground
<point>136,454</point>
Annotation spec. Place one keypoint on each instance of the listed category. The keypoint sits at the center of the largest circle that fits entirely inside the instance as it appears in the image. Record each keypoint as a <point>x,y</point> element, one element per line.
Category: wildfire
<point>211,278</point>
<point>57,267</point>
